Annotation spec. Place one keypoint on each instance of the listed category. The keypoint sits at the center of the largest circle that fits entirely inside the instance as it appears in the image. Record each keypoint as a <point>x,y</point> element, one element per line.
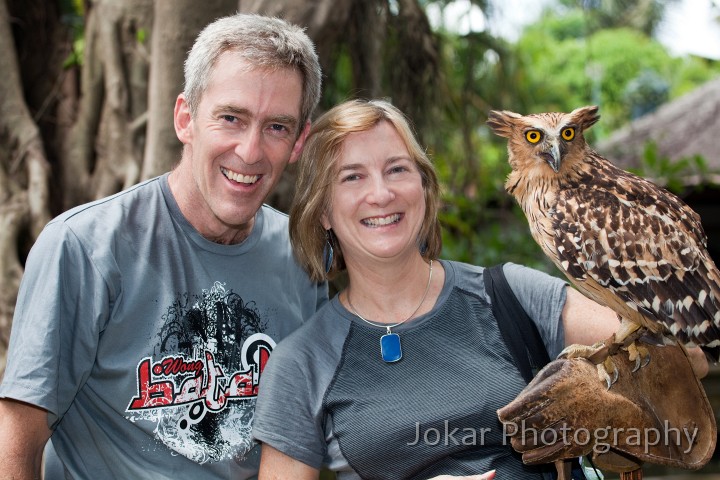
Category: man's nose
<point>249,146</point>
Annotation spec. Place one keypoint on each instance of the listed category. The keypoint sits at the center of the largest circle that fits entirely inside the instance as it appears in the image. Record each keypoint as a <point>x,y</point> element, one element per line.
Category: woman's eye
<point>533,136</point>
<point>568,133</point>
<point>350,178</point>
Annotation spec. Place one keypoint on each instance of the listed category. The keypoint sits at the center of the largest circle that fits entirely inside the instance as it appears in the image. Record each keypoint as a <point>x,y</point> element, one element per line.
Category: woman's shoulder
<point>471,277</point>
<point>528,276</point>
<point>464,275</point>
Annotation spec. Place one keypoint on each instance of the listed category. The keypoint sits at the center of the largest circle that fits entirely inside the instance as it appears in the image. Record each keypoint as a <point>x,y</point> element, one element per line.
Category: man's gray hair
<point>265,42</point>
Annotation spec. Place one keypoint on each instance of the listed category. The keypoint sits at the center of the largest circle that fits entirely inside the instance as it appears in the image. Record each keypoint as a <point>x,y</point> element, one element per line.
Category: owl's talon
<point>596,353</point>
<point>605,374</point>
<point>639,354</point>
<point>608,372</point>
<point>646,360</point>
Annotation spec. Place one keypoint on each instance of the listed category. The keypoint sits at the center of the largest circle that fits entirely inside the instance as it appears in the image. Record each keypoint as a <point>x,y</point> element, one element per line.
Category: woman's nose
<point>380,192</point>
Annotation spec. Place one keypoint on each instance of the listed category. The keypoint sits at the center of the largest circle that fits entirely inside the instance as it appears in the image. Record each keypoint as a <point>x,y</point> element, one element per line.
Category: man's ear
<point>182,120</point>
<point>300,143</point>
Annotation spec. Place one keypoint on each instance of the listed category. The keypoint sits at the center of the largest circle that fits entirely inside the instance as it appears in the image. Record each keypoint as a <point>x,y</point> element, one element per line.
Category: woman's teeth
<point>379,222</point>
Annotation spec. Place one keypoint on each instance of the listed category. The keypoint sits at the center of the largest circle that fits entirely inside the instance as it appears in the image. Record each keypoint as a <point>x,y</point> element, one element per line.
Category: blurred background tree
<point>88,87</point>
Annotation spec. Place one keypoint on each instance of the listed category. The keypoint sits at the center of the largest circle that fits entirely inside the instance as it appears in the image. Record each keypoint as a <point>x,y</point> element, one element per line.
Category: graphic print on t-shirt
<point>199,386</point>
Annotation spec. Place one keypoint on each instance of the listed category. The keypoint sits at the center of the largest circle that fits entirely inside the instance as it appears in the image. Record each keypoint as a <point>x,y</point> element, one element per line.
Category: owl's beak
<point>552,157</point>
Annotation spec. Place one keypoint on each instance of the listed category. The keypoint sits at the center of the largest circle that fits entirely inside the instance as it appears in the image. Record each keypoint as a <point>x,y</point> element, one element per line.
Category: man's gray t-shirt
<point>327,397</point>
<point>146,342</point>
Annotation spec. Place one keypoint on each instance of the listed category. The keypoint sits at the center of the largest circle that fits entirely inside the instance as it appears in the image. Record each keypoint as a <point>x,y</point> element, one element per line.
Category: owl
<point>621,240</point>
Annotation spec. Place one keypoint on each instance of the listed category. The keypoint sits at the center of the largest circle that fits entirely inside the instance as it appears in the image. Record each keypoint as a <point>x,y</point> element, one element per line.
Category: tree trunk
<point>104,149</point>
<point>24,171</point>
<point>325,21</point>
<point>174,32</point>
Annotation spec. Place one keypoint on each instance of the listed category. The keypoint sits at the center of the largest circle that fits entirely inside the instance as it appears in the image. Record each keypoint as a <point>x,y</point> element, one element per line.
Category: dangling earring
<point>328,252</point>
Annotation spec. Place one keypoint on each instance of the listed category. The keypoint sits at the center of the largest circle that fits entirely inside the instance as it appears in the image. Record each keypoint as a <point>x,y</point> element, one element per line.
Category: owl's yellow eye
<point>568,133</point>
<point>533,136</point>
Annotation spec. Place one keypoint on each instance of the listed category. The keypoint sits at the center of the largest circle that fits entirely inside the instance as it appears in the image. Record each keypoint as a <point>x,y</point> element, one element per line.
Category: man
<point>145,319</point>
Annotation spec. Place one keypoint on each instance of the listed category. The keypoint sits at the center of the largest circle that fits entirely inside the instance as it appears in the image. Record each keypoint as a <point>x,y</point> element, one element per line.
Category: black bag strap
<point>522,339</point>
<point>517,329</point>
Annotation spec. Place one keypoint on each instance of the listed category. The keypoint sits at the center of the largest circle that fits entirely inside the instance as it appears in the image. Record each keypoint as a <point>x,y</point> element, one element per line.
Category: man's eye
<point>278,128</point>
<point>229,118</point>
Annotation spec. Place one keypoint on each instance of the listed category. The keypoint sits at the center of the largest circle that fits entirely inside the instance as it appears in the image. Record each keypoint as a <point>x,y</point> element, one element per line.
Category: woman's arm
<point>586,322</point>
<point>275,465</point>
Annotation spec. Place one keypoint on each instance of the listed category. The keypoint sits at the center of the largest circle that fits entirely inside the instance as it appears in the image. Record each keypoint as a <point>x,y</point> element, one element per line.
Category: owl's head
<point>544,140</point>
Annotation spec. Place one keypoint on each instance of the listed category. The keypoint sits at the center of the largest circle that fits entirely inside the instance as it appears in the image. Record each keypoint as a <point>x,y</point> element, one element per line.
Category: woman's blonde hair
<point>317,169</point>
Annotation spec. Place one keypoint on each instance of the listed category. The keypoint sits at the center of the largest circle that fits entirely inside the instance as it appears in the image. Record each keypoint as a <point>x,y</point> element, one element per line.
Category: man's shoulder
<point>113,207</point>
<point>275,228</point>
<point>323,328</point>
<point>275,219</point>
<point>96,224</point>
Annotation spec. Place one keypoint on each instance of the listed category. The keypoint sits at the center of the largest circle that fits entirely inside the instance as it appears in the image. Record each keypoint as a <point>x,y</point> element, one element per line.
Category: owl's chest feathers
<point>536,194</point>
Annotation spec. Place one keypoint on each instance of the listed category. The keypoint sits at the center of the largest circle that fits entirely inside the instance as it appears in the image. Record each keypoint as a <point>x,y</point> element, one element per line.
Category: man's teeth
<point>378,222</point>
<point>237,177</point>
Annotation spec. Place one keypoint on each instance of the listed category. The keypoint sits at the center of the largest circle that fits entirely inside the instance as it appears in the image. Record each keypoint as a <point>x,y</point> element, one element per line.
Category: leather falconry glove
<point>658,414</point>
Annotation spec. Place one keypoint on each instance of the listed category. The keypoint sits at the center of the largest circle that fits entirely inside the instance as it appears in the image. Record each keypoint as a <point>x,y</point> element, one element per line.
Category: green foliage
<point>671,174</point>
<point>73,15</point>
<point>623,56</point>
<point>621,69</point>
<point>645,93</point>
<point>569,26</point>
<point>690,72</point>
<point>75,57</point>
<point>641,15</point>
<point>502,236</point>
<point>570,72</point>
<point>336,91</point>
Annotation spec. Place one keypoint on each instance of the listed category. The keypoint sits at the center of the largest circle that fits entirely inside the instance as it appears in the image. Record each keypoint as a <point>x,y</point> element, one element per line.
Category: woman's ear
<point>325,222</point>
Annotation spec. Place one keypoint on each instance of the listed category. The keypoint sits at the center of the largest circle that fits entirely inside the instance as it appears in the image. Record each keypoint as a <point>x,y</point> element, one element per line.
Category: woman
<point>401,374</point>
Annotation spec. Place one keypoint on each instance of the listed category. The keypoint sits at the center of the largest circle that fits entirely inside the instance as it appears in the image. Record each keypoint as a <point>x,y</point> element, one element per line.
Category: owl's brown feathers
<point>620,239</point>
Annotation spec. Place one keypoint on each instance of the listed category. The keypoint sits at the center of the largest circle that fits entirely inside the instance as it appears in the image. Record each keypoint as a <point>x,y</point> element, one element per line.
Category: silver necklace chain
<point>382,325</point>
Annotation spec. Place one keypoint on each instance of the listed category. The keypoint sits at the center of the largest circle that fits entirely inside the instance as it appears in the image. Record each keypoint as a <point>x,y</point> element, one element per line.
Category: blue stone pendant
<point>390,347</point>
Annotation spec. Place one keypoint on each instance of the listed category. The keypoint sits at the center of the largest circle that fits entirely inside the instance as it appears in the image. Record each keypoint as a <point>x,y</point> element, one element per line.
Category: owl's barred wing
<point>645,246</point>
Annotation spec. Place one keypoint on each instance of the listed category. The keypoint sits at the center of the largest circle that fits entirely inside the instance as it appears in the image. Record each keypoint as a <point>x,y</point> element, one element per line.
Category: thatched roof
<point>683,128</point>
